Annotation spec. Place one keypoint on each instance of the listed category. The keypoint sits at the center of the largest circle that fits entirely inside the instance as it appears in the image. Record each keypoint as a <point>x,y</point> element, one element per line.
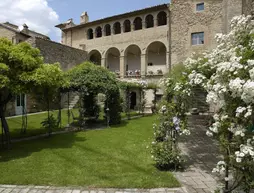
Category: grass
<point>117,157</point>
<point>34,123</point>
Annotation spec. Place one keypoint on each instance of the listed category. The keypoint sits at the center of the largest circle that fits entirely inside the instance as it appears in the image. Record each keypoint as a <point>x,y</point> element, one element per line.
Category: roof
<point>12,29</point>
<point>115,17</point>
<point>15,28</point>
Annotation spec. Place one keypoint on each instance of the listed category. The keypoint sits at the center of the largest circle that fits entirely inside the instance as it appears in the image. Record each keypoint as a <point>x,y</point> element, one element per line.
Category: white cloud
<point>37,14</point>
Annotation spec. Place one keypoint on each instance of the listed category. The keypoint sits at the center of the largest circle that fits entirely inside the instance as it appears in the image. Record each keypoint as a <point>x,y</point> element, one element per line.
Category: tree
<point>48,80</point>
<point>21,71</point>
<point>90,80</point>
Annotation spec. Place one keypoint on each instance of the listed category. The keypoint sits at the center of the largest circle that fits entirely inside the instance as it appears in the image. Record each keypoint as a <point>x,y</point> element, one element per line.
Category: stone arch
<point>117,28</point>
<point>138,23</point>
<point>149,21</point>
<point>162,18</point>
<point>127,26</point>
<point>156,53</point>
<point>90,34</point>
<point>94,56</point>
<point>133,60</point>
<point>113,60</point>
<point>107,30</point>
<point>98,32</point>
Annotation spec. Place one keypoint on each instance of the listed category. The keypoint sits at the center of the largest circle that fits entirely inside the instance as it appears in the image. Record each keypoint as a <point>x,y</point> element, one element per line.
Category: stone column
<point>168,19</point>
<point>104,62</point>
<point>112,30</point>
<point>168,61</point>
<point>122,66</point>
<point>143,65</point>
<point>122,28</point>
<point>132,27</point>
<point>155,21</point>
<point>143,24</point>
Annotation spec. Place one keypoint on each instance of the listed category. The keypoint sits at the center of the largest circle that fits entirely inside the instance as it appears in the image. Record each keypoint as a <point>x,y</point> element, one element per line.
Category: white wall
<point>134,62</point>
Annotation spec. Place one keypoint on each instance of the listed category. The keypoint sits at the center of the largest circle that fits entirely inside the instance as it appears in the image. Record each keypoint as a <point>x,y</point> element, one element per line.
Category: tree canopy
<point>22,70</point>
<point>90,80</point>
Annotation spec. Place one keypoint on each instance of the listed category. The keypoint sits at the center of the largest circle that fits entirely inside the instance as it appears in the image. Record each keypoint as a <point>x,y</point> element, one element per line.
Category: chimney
<point>25,29</point>
<point>84,18</point>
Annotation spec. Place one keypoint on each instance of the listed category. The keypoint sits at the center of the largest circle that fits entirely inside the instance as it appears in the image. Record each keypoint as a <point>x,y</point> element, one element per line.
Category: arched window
<point>149,21</point>
<point>98,32</point>
<point>90,34</point>
<point>138,23</point>
<point>107,30</point>
<point>117,28</point>
<point>127,26</point>
<point>162,18</point>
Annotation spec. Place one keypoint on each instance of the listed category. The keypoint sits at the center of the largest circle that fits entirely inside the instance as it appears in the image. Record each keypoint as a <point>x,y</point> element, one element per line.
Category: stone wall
<point>6,33</point>
<point>53,52</point>
<point>231,8</point>
<point>248,7</point>
<point>186,20</point>
<point>77,37</point>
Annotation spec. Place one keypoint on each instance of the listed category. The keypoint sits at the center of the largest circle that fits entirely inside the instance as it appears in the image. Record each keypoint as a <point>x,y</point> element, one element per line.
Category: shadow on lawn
<point>26,148</point>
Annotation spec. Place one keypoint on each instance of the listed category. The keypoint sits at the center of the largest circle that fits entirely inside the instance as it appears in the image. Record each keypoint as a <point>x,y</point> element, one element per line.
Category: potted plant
<point>137,72</point>
<point>130,73</point>
<point>159,72</point>
<point>150,72</point>
<point>117,72</point>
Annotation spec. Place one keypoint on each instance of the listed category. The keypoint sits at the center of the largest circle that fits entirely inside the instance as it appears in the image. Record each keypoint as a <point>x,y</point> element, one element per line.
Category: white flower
<point>186,132</point>
<point>236,87</point>
<point>240,110</point>
<point>248,92</point>
<point>196,78</point>
<point>238,160</point>
<point>209,134</point>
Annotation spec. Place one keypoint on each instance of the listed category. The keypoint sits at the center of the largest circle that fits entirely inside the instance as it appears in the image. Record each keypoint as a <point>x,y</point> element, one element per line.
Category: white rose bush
<point>172,122</point>
<point>227,75</point>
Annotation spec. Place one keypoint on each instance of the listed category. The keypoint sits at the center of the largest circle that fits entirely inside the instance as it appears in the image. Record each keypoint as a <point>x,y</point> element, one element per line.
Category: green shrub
<point>50,123</point>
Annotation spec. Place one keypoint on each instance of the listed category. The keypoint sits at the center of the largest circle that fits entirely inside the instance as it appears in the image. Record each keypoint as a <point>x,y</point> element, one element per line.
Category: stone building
<point>146,43</point>
<point>51,51</point>
<point>142,44</point>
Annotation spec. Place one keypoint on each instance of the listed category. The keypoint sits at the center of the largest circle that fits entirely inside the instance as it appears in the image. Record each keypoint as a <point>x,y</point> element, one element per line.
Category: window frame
<point>196,37</point>
<point>198,6</point>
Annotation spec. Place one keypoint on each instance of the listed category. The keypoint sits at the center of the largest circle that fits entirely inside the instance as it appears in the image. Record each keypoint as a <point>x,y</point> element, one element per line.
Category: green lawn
<point>117,157</point>
<point>34,123</point>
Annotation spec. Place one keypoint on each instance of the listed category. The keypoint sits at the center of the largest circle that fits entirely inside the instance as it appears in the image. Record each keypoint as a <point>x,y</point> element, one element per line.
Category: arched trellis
<point>90,80</point>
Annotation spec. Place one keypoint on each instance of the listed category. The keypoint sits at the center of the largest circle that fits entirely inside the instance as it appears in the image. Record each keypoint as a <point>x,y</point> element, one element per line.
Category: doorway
<point>20,104</point>
<point>133,100</point>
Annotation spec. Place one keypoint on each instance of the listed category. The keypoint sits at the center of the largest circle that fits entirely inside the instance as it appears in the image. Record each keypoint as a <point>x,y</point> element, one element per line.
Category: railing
<point>131,73</point>
<point>159,72</point>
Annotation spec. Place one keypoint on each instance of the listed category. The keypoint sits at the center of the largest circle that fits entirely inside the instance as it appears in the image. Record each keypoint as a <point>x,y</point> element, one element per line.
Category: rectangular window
<point>197,38</point>
<point>200,7</point>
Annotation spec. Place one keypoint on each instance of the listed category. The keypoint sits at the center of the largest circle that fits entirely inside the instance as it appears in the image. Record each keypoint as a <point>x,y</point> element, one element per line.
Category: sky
<point>43,15</point>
